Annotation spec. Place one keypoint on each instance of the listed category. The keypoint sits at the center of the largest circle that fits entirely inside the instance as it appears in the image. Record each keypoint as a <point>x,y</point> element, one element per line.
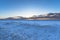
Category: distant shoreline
<point>34,19</point>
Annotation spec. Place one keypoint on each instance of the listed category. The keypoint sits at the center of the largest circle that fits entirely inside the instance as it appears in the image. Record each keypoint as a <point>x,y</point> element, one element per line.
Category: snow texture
<point>29,30</point>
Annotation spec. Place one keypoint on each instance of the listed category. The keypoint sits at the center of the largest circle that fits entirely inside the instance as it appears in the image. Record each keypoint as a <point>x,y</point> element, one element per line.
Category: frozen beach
<point>29,30</point>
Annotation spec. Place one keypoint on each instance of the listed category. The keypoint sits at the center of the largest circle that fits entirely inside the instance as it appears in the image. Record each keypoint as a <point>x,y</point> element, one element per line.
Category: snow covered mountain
<point>45,16</point>
<point>16,17</point>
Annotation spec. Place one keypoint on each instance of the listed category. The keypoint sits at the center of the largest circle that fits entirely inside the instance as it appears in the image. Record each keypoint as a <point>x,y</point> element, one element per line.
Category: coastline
<point>34,19</point>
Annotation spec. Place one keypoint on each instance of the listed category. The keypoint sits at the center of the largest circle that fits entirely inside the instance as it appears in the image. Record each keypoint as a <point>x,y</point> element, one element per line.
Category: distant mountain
<point>16,17</point>
<point>51,16</point>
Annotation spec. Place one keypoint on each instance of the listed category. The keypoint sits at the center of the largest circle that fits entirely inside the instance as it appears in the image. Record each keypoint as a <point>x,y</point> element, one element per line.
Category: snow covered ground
<point>29,30</point>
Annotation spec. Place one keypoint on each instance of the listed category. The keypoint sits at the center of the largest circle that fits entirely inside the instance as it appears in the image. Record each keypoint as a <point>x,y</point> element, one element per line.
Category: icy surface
<point>29,30</point>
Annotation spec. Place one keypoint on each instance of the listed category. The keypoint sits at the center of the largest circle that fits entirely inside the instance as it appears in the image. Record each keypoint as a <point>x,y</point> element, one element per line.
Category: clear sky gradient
<point>28,8</point>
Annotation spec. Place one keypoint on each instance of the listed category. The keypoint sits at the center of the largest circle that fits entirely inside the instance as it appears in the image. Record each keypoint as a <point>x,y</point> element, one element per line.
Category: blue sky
<point>28,8</point>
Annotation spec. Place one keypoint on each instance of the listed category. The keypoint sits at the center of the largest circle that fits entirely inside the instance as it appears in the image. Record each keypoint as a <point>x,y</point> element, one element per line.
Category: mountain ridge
<point>48,16</point>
